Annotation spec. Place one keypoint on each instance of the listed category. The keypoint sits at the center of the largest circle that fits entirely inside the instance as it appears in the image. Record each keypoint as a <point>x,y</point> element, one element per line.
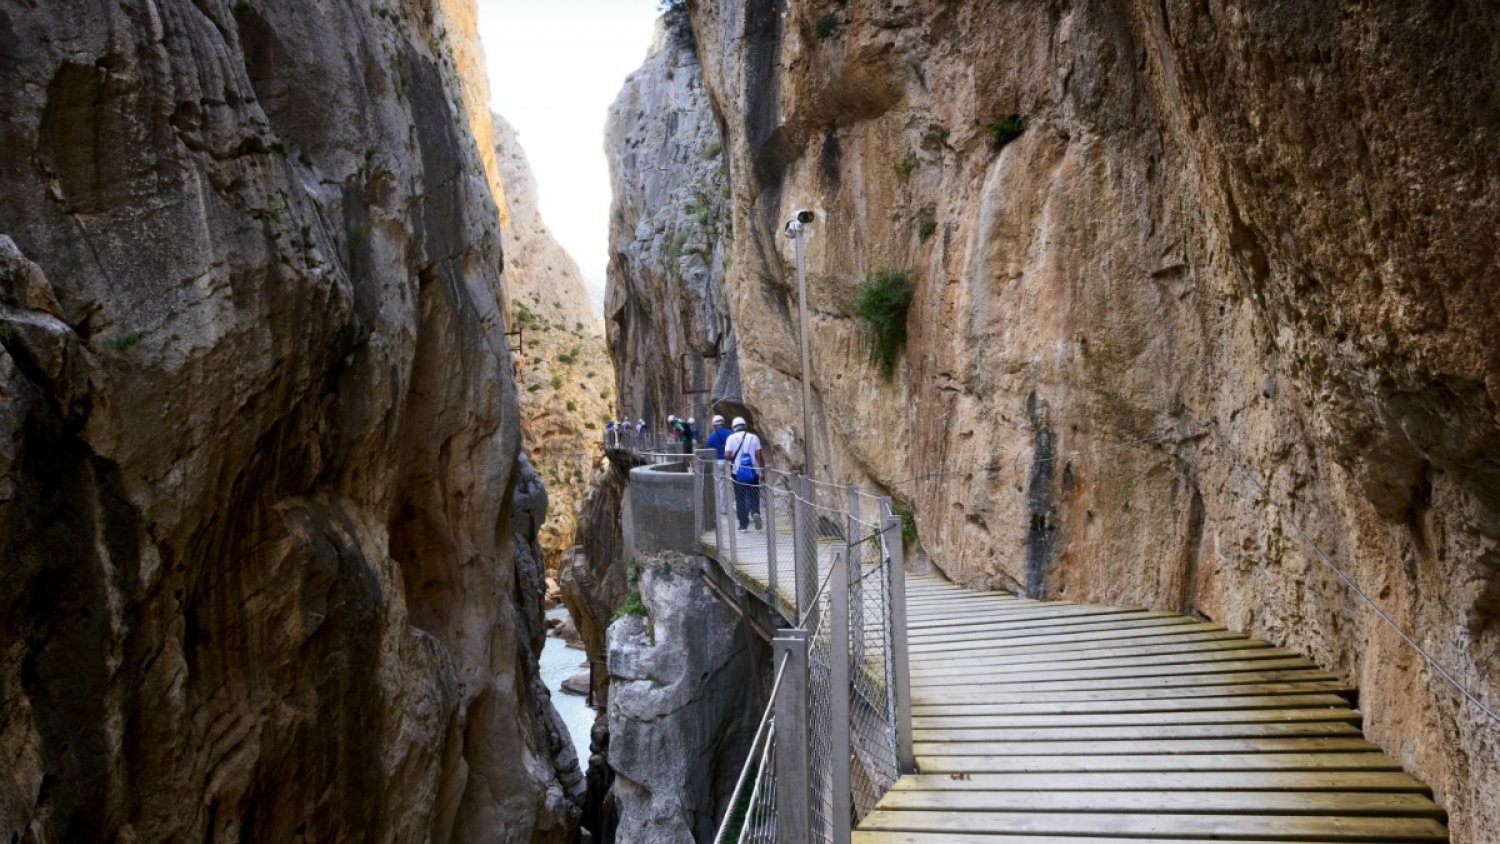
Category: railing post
<point>734,542</point>
<point>699,463</point>
<point>840,814</point>
<point>718,511</point>
<point>769,505</point>
<point>906,759</point>
<point>793,762</point>
<point>805,553</point>
<point>853,529</point>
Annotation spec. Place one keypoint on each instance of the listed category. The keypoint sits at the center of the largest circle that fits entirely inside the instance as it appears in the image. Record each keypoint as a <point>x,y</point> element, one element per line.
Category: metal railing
<point>829,559</point>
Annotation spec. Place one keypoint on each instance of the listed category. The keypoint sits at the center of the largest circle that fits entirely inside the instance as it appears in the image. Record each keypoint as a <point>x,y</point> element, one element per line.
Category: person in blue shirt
<point>718,437</point>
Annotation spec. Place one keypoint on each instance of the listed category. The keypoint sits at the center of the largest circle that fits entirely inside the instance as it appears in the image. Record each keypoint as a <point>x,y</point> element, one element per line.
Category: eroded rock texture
<point>1224,300</point>
<point>269,562</point>
<point>565,378</point>
<point>684,704</point>
<point>667,325</point>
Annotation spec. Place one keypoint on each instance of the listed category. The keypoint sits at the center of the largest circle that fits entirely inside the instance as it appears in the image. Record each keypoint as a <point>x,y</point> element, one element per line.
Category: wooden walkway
<point>1045,722</point>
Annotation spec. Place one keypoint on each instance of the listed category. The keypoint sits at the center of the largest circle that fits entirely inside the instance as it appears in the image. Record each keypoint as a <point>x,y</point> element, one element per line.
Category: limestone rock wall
<point>268,542</point>
<point>1225,299</point>
<point>564,375</point>
<point>667,323</point>
<point>686,697</point>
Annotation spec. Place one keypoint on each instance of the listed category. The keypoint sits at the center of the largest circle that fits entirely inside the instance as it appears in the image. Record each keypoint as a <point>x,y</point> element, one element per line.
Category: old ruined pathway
<point>1047,718</point>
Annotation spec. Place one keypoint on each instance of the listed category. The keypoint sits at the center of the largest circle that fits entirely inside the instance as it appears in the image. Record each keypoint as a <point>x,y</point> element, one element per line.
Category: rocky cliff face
<point>564,371</point>
<point>670,237</point>
<point>1198,288</point>
<point>270,570</point>
<point>684,704</point>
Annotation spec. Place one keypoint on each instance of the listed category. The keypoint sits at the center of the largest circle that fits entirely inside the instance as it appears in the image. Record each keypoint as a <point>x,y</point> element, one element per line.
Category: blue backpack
<point>744,464</point>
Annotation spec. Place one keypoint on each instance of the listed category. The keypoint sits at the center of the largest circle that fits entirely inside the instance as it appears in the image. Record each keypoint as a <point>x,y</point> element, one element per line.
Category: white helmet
<point>739,422</point>
<point>718,420</point>
<point>671,418</point>
<point>692,421</point>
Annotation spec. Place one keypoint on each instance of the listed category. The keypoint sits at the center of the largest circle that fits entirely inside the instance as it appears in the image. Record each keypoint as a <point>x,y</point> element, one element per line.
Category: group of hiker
<point>733,443</point>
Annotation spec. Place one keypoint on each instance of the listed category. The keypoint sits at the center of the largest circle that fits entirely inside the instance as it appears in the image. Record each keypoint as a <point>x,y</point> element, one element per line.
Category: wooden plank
<point>969,667</point>
<point>1379,781</point>
<point>1269,827</point>
<point>1167,802</point>
<point>1031,674</point>
<point>1138,719</point>
<point>1006,683</point>
<point>1122,706</point>
<point>1116,732</point>
<point>1159,747</point>
<point>1082,618</point>
<point>1209,762</point>
<point>1049,627</point>
<point>921,697</point>
<point>1207,642</point>
<point>1063,642</point>
<point>902,837</point>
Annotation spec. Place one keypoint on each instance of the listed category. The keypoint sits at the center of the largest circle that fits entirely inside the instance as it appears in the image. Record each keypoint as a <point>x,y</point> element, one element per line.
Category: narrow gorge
<point>1176,311</point>
<point>1197,321</point>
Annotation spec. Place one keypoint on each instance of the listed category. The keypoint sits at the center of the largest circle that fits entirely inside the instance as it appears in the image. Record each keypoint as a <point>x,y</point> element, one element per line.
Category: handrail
<point>755,746</point>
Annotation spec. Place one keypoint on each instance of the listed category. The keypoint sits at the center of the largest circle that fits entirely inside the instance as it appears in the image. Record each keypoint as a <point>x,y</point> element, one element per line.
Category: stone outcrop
<point>268,539</point>
<point>683,708</point>
<point>1198,288</point>
<point>563,368</point>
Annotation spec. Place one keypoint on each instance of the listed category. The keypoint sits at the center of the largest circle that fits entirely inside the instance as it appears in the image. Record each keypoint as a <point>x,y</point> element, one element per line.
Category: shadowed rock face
<point>269,560</point>
<point>1227,297</point>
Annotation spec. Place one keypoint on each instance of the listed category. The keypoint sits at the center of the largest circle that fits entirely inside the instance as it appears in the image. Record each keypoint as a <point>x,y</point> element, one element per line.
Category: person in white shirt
<point>742,450</point>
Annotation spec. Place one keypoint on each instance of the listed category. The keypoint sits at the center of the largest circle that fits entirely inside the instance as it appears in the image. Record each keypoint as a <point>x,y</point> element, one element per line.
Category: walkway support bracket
<point>793,759</point>
<point>906,757</point>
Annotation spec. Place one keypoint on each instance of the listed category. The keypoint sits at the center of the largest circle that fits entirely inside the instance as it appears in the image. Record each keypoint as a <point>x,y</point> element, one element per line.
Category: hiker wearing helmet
<point>718,437</point>
<point>680,430</point>
<point>743,449</point>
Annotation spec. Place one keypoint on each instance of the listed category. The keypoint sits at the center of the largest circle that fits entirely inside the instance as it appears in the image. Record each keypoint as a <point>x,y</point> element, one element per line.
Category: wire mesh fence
<point>778,537</point>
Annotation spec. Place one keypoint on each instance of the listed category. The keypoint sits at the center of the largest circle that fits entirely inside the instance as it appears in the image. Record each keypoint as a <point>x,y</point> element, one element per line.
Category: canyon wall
<point>270,569</point>
<point>670,236</point>
<point>563,367</point>
<point>1200,312</point>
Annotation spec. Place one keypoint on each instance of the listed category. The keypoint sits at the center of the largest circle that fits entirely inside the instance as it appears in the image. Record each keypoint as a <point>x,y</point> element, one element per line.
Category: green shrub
<point>907,165</point>
<point>124,341</point>
<point>908,523</point>
<point>882,304</point>
<point>304,159</point>
<point>713,149</point>
<point>826,26</point>
<point>1006,129</point>
<point>306,230</point>
<point>632,605</point>
<point>557,382</point>
<point>572,405</point>
<point>925,229</point>
<point>358,234</point>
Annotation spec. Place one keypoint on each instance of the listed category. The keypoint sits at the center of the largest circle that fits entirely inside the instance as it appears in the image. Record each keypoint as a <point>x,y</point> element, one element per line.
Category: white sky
<point>554,68</point>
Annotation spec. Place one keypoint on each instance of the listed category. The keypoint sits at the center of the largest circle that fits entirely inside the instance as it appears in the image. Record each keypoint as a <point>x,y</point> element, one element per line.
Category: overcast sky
<point>555,66</point>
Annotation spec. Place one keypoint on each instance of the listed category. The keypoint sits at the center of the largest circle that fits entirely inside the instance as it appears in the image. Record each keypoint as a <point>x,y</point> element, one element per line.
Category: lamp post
<point>796,230</point>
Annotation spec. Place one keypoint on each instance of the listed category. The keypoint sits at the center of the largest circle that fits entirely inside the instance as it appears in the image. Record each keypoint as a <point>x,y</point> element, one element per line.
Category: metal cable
<point>1327,560</point>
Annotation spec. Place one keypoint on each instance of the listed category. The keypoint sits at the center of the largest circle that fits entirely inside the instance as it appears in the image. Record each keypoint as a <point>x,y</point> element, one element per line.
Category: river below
<point>559,662</point>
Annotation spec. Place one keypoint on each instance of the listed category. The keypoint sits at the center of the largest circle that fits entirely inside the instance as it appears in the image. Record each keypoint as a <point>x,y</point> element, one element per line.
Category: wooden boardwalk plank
<point>1116,732</point>
<point>966,668</point>
<point>1007,682</point>
<point>923,697</point>
<point>1157,747</point>
<point>1167,802</point>
<point>1265,827</point>
<point>1208,781</point>
<point>1183,762</point>
<point>1111,718</point>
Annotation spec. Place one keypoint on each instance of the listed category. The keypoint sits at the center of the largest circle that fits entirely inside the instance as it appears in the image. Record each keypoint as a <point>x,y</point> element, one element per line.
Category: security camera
<point>804,216</point>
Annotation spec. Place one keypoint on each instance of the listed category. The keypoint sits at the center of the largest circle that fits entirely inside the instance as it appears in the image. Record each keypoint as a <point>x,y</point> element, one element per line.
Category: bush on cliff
<point>882,304</point>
